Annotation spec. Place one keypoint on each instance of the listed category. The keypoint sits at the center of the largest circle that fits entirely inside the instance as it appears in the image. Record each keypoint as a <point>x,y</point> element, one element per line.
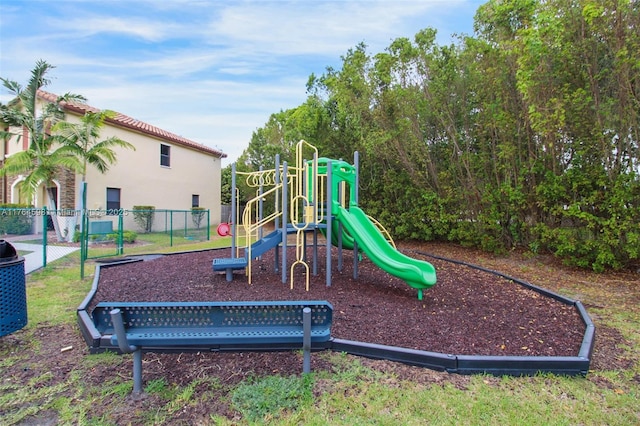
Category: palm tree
<point>82,140</point>
<point>43,159</point>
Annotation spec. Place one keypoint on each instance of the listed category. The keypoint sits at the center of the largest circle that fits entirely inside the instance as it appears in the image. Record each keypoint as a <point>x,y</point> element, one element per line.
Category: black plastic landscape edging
<point>452,363</point>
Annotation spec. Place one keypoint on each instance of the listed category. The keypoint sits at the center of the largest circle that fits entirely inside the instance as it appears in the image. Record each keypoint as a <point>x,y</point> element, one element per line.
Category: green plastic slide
<point>416,273</point>
<point>356,226</point>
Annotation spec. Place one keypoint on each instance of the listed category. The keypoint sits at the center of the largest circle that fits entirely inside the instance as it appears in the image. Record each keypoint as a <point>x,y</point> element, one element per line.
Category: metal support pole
<point>285,220</point>
<point>306,340</point>
<point>329,221</point>
<point>316,206</point>
<point>356,163</point>
<point>44,236</point>
<point>234,225</point>
<point>261,203</point>
<point>304,247</point>
<point>314,187</point>
<point>83,230</point>
<point>355,259</point>
<point>276,256</point>
<point>123,344</point>
<point>171,228</point>
<point>315,251</point>
<point>84,240</point>
<point>120,332</point>
<point>120,242</point>
<point>340,230</point>
<point>137,372</point>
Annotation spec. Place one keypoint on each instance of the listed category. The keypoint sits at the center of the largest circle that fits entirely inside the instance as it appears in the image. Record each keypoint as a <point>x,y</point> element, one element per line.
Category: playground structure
<point>317,195</point>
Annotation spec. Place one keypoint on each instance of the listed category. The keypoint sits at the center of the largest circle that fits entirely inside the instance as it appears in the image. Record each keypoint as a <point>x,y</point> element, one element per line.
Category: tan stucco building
<point>165,170</point>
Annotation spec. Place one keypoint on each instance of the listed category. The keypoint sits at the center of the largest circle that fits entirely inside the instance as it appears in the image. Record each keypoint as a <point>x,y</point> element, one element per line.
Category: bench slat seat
<point>211,337</point>
<point>134,327</point>
<point>215,323</point>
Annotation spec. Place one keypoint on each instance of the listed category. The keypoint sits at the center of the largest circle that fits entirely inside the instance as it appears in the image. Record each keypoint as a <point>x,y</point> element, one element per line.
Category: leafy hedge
<point>16,219</point>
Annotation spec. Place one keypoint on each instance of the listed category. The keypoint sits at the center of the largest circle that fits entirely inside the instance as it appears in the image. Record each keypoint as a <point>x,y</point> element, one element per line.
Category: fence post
<point>165,222</point>
<point>44,236</point>
<point>83,231</point>
<point>120,233</point>
<point>170,228</point>
<point>208,225</point>
<point>85,238</point>
<point>84,228</point>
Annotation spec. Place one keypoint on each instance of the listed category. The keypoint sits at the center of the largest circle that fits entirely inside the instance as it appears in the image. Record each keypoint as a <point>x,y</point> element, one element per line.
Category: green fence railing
<point>45,234</point>
<point>109,231</point>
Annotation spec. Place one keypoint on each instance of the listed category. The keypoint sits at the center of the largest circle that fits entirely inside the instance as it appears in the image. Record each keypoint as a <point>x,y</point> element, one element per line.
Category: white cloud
<point>320,28</point>
<point>93,25</point>
<point>210,71</point>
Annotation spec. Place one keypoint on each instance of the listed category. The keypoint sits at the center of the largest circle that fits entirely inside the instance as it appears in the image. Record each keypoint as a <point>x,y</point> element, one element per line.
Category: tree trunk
<point>53,212</point>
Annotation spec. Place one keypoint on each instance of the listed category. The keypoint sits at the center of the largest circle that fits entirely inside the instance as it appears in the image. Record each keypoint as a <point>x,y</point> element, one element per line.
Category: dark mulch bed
<point>469,311</point>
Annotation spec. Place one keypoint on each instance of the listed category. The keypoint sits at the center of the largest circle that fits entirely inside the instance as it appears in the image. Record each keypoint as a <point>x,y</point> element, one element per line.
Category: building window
<point>165,155</point>
<point>113,200</point>
<point>195,200</point>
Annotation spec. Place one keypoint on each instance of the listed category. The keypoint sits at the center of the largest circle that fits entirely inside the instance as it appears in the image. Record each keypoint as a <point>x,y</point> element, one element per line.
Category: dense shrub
<point>197,215</point>
<point>143,216</point>
<point>128,237</point>
<point>16,219</point>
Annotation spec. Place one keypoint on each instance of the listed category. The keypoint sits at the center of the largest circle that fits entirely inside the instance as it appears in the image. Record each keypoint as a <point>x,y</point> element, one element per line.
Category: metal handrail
<point>252,228</point>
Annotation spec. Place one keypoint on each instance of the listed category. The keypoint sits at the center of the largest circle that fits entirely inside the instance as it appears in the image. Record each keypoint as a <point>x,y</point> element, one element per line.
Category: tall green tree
<point>587,105</point>
<point>525,134</point>
<point>347,97</point>
<point>45,158</point>
<point>82,140</point>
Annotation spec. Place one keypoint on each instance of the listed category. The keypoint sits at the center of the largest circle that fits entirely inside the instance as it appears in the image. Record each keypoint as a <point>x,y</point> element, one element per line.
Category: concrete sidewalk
<point>33,260</point>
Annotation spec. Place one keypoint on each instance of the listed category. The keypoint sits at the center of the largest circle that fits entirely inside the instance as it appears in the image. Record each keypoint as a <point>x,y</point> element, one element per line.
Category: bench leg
<point>306,340</point>
<point>125,347</point>
<point>229,274</point>
<point>137,372</point>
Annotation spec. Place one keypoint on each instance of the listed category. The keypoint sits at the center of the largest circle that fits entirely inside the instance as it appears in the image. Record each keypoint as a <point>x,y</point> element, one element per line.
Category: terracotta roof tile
<point>133,124</point>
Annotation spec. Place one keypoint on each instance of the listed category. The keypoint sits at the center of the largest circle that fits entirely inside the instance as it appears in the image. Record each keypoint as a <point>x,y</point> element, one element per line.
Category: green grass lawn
<point>350,393</point>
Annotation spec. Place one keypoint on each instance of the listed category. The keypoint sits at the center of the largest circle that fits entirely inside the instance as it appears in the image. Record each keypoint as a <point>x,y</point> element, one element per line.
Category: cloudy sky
<point>211,71</point>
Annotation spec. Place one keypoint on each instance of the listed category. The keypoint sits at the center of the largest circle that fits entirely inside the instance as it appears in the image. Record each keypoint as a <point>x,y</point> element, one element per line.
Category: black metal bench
<point>136,327</point>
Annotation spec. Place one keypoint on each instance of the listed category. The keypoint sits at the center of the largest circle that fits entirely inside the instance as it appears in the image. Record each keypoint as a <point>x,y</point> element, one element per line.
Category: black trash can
<point>13,290</point>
